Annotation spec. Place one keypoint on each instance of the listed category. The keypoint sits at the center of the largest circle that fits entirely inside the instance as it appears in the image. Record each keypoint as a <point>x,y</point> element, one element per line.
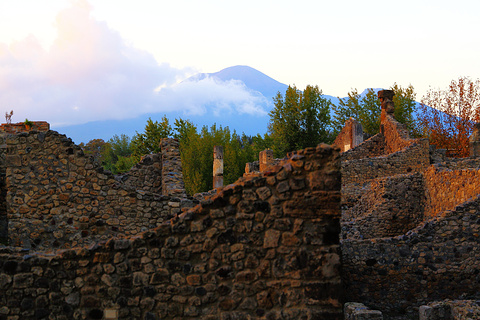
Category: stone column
<point>474,141</point>
<point>386,101</point>
<point>265,159</point>
<point>357,133</point>
<point>217,167</point>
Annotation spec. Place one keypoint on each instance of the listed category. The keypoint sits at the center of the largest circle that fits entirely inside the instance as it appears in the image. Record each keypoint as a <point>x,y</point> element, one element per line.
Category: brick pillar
<point>265,159</point>
<point>217,167</point>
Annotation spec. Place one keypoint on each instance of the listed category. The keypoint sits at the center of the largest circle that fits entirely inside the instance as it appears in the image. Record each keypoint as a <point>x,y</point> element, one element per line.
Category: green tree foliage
<point>367,109</point>
<point>405,107</point>
<point>299,120</point>
<point>196,149</point>
<point>117,155</point>
<point>148,141</point>
<point>95,148</point>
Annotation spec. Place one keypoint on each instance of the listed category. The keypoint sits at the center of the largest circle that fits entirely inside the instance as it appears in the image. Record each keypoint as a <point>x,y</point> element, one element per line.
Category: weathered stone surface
<point>235,256</point>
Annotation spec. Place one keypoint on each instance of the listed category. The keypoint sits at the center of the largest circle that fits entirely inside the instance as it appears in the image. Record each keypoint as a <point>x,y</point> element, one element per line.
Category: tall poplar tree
<point>299,120</point>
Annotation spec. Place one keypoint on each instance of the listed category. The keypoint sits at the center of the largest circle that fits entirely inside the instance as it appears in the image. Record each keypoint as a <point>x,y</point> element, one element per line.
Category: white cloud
<point>213,95</point>
<point>90,73</point>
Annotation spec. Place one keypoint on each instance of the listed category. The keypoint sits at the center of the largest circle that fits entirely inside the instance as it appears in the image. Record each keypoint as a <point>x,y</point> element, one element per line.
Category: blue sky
<point>74,61</point>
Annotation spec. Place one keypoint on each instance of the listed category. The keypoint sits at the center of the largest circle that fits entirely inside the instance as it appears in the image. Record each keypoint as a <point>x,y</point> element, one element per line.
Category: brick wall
<point>13,128</point>
<point>266,247</point>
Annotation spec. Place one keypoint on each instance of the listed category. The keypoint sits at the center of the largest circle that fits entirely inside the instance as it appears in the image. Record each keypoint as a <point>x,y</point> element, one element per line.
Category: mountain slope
<point>252,78</point>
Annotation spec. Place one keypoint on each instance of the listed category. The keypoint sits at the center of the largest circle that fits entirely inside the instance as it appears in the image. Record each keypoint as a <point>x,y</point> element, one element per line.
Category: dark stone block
<point>125,282</point>
<point>42,283</point>
<point>95,314</point>
<point>10,267</point>
<point>262,206</point>
<point>371,262</point>
<point>27,304</point>
<point>323,291</point>
<point>41,313</point>
<point>224,272</point>
<point>227,237</point>
<point>200,291</point>
<point>150,316</point>
<point>150,291</point>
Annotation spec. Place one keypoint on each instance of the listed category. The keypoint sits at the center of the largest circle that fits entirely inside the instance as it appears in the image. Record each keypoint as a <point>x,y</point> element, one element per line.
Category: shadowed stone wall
<point>58,198</point>
<point>435,261</point>
<point>266,247</point>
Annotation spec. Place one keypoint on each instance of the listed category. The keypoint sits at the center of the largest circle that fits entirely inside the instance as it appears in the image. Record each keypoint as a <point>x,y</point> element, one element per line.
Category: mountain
<point>252,78</point>
<point>254,87</point>
<point>239,97</point>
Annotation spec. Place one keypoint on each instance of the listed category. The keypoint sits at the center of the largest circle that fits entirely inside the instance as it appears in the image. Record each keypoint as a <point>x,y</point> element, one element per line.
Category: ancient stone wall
<point>145,175</point>
<point>57,197</point>
<point>373,147</point>
<point>172,177</point>
<point>435,261</point>
<point>388,207</point>
<point>450,310</point>
<point>415,158</point>
<point>446,188</point>
<point>3,193</point>
<point>13,128</point>
<point>266,247</point>
<point>266,162</point>
<point>396,134</point>
<point>350,136</point>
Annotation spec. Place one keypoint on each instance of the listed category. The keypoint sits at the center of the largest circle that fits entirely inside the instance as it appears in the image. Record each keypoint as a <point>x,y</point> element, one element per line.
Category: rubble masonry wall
<point>58,198</point>
<point>266,247</point>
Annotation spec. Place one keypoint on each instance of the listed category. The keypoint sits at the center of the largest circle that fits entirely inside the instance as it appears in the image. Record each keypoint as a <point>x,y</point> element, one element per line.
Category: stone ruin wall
<point>14,128</point>
<point>350,136</point>
<point>451,310</point>
<point>266,247</point>
<point>448,188</point>
<point>438,259</point>
<point>370,148</point>
<point>401,155</point>
<point>58,198</point>
<point>396,134</point>
<point>386,207</point>
<point>265,162</point>
<point>435,261</point>
<point>414,158</point>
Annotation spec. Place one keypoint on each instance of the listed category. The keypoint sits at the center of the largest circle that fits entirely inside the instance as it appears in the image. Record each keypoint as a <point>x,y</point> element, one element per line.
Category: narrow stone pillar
<point>386,102</point>
<point>266,159</point>
<point>357,133</point>
<point>474,141</point>
<point>217,167</point>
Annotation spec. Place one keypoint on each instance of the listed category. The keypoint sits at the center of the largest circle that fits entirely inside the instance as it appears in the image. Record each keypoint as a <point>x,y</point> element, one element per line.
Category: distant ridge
<point>252,78</point>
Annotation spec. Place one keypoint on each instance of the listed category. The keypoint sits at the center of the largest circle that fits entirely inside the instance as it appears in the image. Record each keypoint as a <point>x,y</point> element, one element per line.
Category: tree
<point>95,148</point>
<point>117,154</point>
<point>447,116</point>
<point>405,107</point>
<point>299,120</point>
<point>367,109</point>
<point>148,141</point>
<point>196,150</point>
